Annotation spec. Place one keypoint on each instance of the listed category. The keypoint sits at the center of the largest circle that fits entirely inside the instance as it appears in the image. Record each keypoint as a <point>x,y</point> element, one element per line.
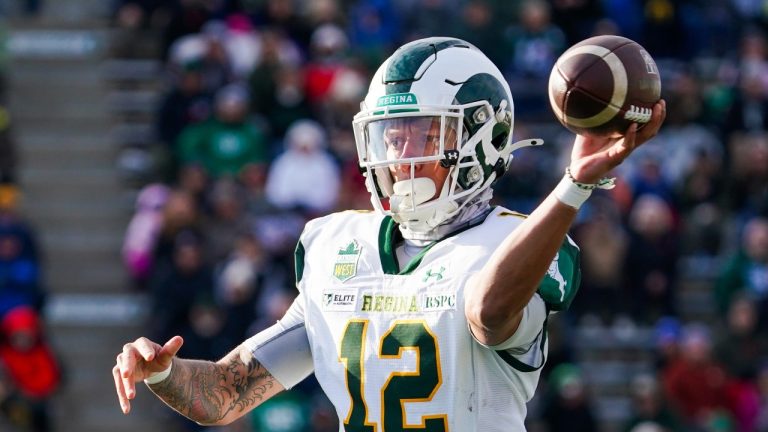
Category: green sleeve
<point>189,144</point>
<point>258,151</point>
<point>560,284</point>
<point>729,282</point>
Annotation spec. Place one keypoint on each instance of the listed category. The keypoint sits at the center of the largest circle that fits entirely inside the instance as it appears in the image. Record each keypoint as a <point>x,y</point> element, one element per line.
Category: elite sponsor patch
<point>340,300</point>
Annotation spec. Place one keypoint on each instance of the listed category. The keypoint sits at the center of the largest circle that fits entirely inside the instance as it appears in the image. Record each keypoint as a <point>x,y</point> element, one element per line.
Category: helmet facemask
<point>421,163</point>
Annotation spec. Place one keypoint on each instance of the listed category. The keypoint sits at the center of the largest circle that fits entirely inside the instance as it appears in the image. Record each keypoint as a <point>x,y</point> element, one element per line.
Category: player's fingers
<point>146,348</point>
<point>622,148</point>
<point>126,362</point>
<point>657,119</point>
<point>125,404</point>
<point>170,349</point>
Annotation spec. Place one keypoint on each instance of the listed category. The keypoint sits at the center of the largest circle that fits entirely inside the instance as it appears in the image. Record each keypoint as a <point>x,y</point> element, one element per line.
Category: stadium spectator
<point>186,279</point>
<point>535,43</point>
<point>567,408</point>
<point>240,43</point>
<point>21,281</point>
<point>304,162</point>
<point>184,104</point>
<point>285,15</point>
<point>740,349</point>
<point>207,53</point>
<point>180,213</point>
<point>31,365</point>
<point>228,218</point>
<point>650,275</point>
<point>695,383</point>
<point>228,144</point>
<point>277,85</point>
<point>749,109</point>
<point>328,48</point>
<point>239,285</point>
<point>742,346</point>
<point>604,242</point>
<point>374,25</point>
<point>746,187</point>
<point>143,232</point>
<point>478,25</point>
<point>666,342</point>
<point>746,271</point>
<point>649,406</point>
<point>186,17</point>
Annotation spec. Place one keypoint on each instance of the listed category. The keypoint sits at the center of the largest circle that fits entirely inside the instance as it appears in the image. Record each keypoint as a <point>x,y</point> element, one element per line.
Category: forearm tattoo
<point>207,392</point>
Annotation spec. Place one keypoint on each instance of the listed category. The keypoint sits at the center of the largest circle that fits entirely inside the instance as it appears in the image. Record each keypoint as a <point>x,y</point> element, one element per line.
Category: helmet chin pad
<point>410,193</point>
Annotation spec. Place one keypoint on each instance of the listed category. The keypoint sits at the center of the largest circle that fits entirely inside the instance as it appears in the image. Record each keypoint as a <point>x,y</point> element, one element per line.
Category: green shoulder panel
<point>560,284</point>
<point>298,261</point>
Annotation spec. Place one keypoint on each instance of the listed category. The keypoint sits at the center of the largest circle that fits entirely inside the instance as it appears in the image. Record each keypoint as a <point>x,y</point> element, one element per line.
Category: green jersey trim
<point>387,246</point>
<point>387,239</point>
<point>523,367</point>
<point>298,261</point>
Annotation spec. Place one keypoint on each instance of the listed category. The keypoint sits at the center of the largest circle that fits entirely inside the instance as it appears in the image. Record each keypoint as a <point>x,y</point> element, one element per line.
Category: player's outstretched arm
<point>498,294</point>
<point>205,392</point>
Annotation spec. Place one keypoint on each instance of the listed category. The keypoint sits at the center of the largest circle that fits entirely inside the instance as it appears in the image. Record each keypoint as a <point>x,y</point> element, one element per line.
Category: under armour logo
<point>438,275</point>
<point>451,157</point>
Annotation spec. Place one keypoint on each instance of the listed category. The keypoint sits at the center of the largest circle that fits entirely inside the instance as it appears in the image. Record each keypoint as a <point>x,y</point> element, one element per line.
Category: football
<point>603,84</point>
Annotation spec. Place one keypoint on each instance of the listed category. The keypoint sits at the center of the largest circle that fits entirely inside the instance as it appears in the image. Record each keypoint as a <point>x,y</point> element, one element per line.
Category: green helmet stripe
<point>480,87</point>
<point>483,86</point>
<point>401,71</point>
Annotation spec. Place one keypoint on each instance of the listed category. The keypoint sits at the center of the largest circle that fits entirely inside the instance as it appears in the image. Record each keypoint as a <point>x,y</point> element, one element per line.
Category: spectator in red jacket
<point>694,383</point>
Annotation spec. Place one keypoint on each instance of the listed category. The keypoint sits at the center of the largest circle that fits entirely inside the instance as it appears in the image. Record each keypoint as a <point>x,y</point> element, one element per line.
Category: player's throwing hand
<point>139,360</point>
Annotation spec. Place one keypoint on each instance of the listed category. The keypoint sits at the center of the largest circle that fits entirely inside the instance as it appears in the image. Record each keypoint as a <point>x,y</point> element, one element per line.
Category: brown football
<point>603,84</point>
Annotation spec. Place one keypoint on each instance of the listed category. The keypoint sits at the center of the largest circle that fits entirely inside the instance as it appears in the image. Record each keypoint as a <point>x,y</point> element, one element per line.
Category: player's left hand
<point>592,158</point>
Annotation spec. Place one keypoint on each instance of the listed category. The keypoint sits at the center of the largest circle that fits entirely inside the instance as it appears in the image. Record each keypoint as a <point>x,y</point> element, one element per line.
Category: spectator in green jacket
<point>229,144</point>
<point>746,271</point>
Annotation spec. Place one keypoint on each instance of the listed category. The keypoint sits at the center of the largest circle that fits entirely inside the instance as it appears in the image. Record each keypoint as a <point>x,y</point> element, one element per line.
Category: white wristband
<point>159,376</point>
<point>571,194</point>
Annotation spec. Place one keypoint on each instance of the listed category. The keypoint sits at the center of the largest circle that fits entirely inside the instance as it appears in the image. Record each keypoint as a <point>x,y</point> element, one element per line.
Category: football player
<point>431,312</point>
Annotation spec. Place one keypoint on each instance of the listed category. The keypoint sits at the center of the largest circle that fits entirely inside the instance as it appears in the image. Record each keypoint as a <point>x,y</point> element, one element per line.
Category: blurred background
<point>158,160</point>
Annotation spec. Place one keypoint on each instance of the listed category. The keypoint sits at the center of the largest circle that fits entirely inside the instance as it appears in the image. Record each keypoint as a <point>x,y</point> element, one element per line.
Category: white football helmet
<point>434,131</point>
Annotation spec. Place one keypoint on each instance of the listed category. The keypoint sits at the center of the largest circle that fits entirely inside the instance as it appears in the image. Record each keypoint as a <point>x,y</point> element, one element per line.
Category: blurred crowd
<point>30,372</point>
<point>253,137</point>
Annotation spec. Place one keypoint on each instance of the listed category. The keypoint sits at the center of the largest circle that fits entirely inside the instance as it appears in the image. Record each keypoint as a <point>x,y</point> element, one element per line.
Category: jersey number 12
<point>401,387</point>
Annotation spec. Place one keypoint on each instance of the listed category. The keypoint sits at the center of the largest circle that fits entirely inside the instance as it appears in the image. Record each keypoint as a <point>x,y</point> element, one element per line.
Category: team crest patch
<point>345,267</point>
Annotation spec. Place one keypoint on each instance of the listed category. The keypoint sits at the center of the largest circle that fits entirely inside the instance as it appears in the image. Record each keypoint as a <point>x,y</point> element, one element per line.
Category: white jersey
<point>390,344</point>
